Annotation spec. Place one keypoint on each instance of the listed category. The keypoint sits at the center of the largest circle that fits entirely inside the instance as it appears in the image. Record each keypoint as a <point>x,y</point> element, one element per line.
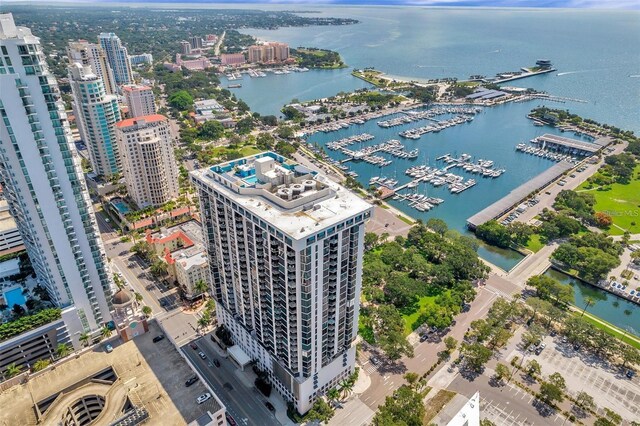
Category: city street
<point>244,404</point>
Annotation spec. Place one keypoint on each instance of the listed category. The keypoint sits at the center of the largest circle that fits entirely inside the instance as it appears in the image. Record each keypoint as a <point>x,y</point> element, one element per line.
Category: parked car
<point>191,381</point>
<point>630,374</point>
<point>202,355</point>
<point>158,338</point>
<point>230,420</point>
<point>193,346</point>
<point>108,348</point>
<point>270,406</point>
<point>216,363</point>
<point>204,397</point>
<point>424,337</point>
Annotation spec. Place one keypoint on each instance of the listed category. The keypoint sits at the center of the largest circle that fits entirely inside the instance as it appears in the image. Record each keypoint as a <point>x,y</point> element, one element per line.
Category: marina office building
<point>285,250</point>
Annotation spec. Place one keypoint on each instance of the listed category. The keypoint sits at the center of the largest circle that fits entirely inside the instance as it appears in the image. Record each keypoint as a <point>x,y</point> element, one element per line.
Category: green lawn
<point>623,203</point>
<point>410,321</point>
<point>611,329</point>
<point>534,243</point>
<point>249,150</point>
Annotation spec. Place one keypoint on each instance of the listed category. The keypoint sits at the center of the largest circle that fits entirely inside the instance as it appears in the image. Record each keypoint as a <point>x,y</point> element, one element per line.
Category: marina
<point>544,153</point>
<point>435,127</point>
<point>339,144</point>
<point>412,116</point>
<point>483,167</point>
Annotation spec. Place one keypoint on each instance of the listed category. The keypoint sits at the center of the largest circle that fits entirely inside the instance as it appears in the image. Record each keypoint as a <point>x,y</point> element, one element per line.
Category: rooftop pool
<point>14,297</point>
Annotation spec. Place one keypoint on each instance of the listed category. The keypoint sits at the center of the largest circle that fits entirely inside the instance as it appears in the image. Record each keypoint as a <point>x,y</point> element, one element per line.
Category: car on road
<point>158,338</point>
<point>202,355</point>
<point>191,381</point>
<point>204,397</point>
<point>270,406</point>
<point>193,346</point>
<point>108,348</point>
<point>230,420</point>
<point>374,360</point>
<point>216,363</point>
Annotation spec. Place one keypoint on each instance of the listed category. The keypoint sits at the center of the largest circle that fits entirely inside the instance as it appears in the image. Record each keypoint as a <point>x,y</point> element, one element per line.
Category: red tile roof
<point>146,118</point>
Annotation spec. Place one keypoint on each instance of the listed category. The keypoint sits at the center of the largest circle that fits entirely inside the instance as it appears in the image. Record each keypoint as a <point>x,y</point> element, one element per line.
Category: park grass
<point>609,328</point>
<point>437,403</point>
<point>405,219</point>
<point>411,320</point>
<point>534,243</point>
<point>249,150</point>
<point>623,203</point>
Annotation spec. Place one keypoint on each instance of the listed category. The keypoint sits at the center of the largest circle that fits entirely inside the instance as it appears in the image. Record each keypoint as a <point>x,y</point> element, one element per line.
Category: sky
<point>571,4</point>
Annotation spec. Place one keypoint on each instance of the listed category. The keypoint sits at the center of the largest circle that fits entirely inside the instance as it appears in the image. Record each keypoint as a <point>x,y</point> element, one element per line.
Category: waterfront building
<point>148,163</point>
<point>96,115</point>
<point>92,54</point>
<point>232,59</point>
<point>144,58</point>
<point>268,53</point>
<point>185,47</point>
<point>10,239</point>
<point>196,42</point>
<point>118,57</point>
<point>43,182</point>
<point>139,99</point>
<point>285,248</point>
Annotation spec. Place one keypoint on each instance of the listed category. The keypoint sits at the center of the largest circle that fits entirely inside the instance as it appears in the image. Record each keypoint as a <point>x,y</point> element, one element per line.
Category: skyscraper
<point>285,251</point>
<point>91,54</point>
<point>117,57</point>
<point>42,180</point>
<point>139,99</point>
<point>96,114</point>
<point>148,163</point>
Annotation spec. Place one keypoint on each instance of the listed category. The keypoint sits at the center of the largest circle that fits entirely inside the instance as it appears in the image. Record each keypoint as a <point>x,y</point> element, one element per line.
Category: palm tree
<point>106,332</point>
<point>333,394</point>
<point>138,297</point>
<point>41,364</point>
<point>201,288</point>
<point>63,350</point>
<point>12,370</point>
<point>346,386</point>
<point>84,338</point>
<point>146,310</point>
<point>588,301</point>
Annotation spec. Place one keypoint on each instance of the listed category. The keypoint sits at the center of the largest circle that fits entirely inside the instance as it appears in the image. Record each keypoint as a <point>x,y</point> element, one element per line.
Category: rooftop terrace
<point>283,193</point>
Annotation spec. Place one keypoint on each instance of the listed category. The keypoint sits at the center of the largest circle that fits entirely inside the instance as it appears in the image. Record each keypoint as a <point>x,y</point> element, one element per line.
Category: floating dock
<point>515,197</point>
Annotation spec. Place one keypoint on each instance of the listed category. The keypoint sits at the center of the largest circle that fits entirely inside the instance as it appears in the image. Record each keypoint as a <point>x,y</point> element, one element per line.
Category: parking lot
<point>584,372</point>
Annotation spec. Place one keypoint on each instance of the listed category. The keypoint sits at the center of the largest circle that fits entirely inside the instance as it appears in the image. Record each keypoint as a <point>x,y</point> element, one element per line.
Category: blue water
<point>14,297</point>
<point>609,307</point>
<point>596,52</point>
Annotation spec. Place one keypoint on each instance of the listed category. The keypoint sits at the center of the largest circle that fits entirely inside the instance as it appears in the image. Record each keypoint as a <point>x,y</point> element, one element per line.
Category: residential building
<point>96,115</point>
<point>149,165</point>
<point>144,58</point>
<point>232,59</point>
<point>139,99</point>
<point>185,47</point>
<point>285,250</point>
<point>10,239</point>
<point>198,64</point>
<point>268,53</point>
<point>43,184</point>
<point>118,57</point>
<point>92,54</point>
<point>182,248</point>
<point>196,42</point>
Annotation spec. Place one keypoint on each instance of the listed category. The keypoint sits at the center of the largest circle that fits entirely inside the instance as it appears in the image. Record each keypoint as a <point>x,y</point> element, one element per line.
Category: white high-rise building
<point>43,182</point>
<point>139,99</point>
<point>91,54</point>
<point>118,57</point>
<point>285,251</point>
<point>148,162</point>
<point>96,115</point>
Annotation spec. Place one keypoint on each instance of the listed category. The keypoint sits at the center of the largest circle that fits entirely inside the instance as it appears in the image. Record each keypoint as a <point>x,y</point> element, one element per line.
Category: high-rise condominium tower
<point>96,114</point>
<point>91,54</point>
<point>285,250</point>
<point>42,180</point>
<point>117,57</point>
<point>139,99</point>
<point>148,163</point>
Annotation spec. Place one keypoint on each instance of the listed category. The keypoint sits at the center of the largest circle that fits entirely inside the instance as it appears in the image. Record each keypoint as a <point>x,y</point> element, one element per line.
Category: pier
<point>344,142</point>
<point>570,146</point>
<point>412,116</point>
<point>515,197</point>
<point>483,167</point>
<point>436,127</point>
